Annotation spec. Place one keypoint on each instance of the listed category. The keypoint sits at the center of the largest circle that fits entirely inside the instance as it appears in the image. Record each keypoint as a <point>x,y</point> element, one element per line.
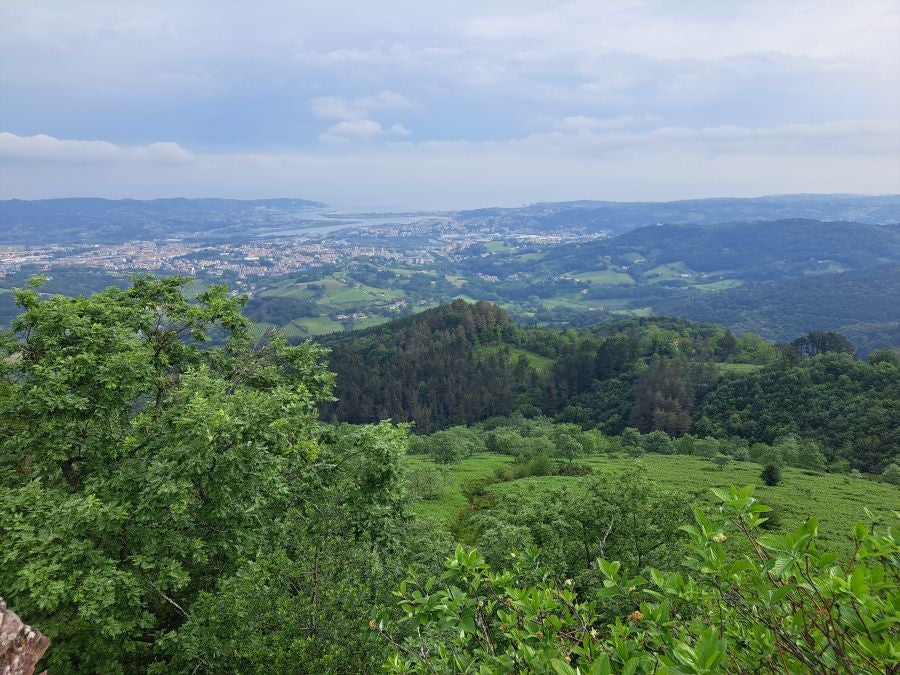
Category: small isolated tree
<point>771,475</point>
<point>446,447</point>
<point>809,456</point>
<point>891,474</point>
<point>658,442</point>
<point>707,448</point>
<point>630,439</point>
<point>721,461</point>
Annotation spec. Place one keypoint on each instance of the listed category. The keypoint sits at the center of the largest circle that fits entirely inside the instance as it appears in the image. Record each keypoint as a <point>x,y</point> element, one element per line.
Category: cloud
<point>580,86</point>
<point>355,115</point>
<point>344,132</point>
<point>340,108</point>
<point>44,148</point>
<point>576,123</point>
<point>618,163</point>
<point>357,129</point>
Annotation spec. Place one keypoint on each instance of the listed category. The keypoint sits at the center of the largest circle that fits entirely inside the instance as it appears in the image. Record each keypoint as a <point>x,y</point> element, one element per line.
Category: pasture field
<point>605,277</point>
<point>837,500</point>
<point>668,272</point>
<point>722,285</point>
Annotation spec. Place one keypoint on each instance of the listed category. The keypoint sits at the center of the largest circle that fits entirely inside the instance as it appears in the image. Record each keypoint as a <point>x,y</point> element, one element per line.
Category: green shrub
<point>771,474</point>
<point>891,474</point>
<point>785,609</point>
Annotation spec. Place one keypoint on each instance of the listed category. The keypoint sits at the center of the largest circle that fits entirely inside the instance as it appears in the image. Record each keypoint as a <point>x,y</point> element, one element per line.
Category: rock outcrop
<point>21,646</point>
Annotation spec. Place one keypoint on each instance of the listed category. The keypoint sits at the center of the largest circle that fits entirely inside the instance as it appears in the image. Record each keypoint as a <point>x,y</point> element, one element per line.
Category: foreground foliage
<point>170,507</point>
<point>788,607</point>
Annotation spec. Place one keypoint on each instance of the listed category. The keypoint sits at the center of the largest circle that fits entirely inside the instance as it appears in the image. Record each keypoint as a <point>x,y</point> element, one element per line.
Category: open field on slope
<point>837,500</point>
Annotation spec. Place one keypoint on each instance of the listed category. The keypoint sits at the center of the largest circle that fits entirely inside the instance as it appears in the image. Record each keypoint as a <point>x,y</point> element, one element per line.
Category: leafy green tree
<point>809,456</point>
<point>567,440</point>
<point>771,475</point>
<point>752,348</point>
<point>707,448</point>
<point>505,441</point>
<point>658,442</point>
<point>891,474</point>
<point>143,470</point>
<point>446,447</point>
<point>721,461</point>
<point>631,441</point>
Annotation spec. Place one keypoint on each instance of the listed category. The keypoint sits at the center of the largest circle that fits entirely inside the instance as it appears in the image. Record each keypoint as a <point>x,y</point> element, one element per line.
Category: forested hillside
<point>750,251</point>
<point>444,366</point>
<point>462,363</point>
<point>170,503</point>
<point>863,305</point>
<point>620,216</point>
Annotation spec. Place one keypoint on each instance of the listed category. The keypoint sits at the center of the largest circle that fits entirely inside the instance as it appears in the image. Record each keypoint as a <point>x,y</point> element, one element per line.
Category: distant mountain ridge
<point>97,220</point>
<point>621,216</point>
<point>748,251</point>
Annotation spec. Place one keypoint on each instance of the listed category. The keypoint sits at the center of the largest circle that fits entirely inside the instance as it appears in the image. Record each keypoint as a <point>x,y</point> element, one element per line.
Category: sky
<point>428,104</point>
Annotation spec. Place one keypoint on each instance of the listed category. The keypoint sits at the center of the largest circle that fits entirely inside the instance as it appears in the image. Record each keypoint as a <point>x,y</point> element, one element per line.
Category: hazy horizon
<point>355,208</point>
<point>449,107</point>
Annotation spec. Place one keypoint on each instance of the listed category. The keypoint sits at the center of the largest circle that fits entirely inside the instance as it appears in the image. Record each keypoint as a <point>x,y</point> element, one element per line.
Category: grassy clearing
<point>451,499</point>
<point>574,302</point>
<point>722,285</point>
<point>668,272</point>
<point>737,368</point>
<point>605,277</point>
<point>318,325</point>
<point>637,311</point>
<point>359,324</point>
<point>347,297</point>
<point>838,501</point>
<point>534,360</point>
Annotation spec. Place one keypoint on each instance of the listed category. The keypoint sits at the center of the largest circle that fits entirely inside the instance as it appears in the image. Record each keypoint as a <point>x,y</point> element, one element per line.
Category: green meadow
<point>837,500</point>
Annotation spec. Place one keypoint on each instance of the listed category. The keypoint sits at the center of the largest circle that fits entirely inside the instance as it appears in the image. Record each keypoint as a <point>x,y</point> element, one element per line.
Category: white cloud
<point>552,96</point>
<point>355,115</point>
<point>344,132</point>
<point>334,108</point>
<point>340,108</point>
<point>614,163</point>
<point>576,123</point>
<point>44,148</point>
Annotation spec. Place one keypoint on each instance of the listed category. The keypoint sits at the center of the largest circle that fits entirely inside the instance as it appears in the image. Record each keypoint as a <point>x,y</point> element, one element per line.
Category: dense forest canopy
<point>462,363</point>
<point>862,305</point>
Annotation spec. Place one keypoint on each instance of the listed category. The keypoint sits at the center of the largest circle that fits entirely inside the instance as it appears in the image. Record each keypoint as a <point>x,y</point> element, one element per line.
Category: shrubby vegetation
<point>787,608</point>
<point>172,501</point>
